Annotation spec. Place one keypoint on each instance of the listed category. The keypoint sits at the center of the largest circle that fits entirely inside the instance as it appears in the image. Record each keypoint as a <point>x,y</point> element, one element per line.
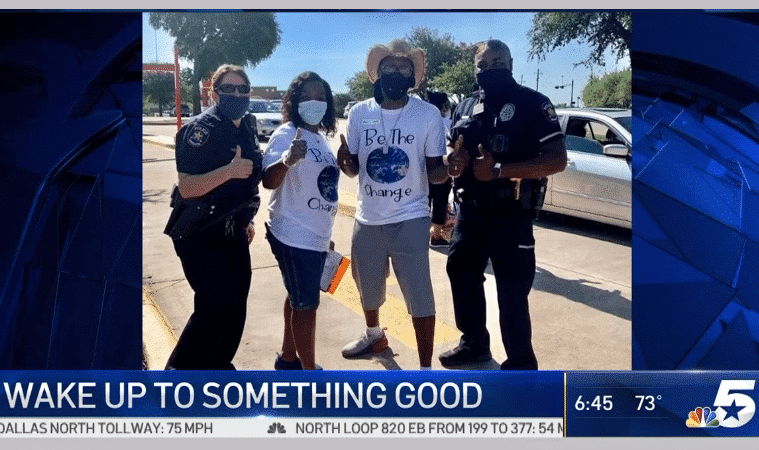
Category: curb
<point>158,338</point>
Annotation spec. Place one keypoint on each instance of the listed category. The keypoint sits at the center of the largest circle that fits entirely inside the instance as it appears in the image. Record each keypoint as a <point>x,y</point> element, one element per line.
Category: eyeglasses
<point>406,71</point>
<point>230,88</point>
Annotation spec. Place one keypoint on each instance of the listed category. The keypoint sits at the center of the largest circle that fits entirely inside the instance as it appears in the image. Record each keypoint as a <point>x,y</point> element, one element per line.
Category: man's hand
<point>345,159</point>
<point>484,165</point>
<point>458,159</point>
<point>296,152</point>
<point>239,167</point>
<point>343,154</point>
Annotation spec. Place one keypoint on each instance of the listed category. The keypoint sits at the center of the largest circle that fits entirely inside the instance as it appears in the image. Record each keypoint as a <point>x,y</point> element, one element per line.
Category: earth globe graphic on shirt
<point>327,182</point>
<point>387,166</point>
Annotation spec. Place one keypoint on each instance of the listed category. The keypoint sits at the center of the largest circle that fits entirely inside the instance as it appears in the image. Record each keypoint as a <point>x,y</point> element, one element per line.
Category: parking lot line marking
<point>393,315</point>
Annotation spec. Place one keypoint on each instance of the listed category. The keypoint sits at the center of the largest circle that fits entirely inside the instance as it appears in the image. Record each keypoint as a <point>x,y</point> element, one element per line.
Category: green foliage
<point>613,90</point>
<point>457,78</point>
<point>340,100</point>
<point>212,39</point>
<point>602,30</point>
<point>359,86</point>
<point>439,50</point>
<point>158,88</point>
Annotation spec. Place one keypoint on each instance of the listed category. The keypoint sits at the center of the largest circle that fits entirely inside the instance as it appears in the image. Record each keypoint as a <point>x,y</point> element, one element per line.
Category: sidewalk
<point>580,303</point>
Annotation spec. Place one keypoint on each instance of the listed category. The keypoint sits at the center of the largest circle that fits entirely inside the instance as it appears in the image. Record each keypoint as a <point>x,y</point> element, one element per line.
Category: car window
<point>258,107</point>
<point>579,137</point>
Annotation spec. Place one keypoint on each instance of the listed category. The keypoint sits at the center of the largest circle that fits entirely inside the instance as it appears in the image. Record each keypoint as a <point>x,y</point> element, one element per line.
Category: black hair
<point>292,99</point>
<point>439,99</point>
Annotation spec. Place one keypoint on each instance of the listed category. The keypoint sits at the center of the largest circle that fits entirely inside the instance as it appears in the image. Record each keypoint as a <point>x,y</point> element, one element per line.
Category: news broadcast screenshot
<point>480,194</point>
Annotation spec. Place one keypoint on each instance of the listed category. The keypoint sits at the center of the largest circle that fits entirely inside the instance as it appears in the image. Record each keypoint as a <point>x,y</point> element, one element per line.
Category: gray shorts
<point>407,245</point>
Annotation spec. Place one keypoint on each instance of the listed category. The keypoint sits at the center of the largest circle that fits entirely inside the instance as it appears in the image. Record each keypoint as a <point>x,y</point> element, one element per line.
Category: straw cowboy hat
<point>399,48</point>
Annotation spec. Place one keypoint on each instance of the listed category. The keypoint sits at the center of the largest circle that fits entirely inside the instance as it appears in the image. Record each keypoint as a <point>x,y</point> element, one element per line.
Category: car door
<point>593,183</point>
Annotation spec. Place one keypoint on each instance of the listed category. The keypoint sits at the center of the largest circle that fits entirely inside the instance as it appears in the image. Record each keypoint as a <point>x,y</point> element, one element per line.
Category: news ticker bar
<point>380,403</point>
<point>260,427</point>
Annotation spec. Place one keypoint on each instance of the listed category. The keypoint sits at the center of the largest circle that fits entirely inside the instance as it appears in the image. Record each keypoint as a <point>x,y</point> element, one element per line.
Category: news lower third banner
<point>281,404</point>
<point>376,404</point>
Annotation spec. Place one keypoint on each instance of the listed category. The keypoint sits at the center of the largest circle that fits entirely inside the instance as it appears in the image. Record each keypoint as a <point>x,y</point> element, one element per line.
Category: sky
<point>335,45</point>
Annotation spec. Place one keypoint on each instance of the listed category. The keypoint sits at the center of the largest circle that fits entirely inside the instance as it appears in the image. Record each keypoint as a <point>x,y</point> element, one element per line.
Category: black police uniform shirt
<point>209,141</point>
<point>527,121</point>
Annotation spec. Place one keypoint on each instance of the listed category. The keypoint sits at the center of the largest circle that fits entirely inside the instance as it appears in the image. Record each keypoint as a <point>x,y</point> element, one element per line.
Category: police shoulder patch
<point>549,112</point>
<point>198,136</point>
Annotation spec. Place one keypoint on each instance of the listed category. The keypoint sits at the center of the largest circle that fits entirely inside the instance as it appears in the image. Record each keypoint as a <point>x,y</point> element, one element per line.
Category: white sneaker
<point>366,344</point>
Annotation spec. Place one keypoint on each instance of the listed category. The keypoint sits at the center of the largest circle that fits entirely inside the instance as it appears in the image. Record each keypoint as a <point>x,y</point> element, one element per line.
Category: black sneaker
<point>462,355</point>
<point>439,242</point>
<point>508,365</point>
<point>281,364</point>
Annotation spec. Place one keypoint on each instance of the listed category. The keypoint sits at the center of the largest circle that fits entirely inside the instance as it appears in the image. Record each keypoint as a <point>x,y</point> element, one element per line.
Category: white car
<point>268,117</point>
<point>596,183</point>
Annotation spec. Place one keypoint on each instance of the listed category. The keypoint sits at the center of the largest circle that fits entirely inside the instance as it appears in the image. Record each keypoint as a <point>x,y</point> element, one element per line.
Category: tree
<point>457,78</point>
<point>213,39</point>
<point>613,90</point>
<point>340,101</point>
<point>158,88</point>
<point>359,86</point>
<point>185,79</point>
<point>440,50</point>
<point>602,30</point>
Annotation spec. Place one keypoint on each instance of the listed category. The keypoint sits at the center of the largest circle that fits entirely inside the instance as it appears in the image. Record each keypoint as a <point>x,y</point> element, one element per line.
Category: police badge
<point>507,112</point>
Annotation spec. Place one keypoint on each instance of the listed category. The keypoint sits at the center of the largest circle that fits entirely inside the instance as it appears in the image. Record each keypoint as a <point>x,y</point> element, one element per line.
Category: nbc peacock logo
<point>702,418</point>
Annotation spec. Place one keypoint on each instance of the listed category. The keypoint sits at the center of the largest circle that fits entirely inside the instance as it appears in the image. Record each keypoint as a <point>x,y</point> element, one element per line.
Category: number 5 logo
<point>741,406</point>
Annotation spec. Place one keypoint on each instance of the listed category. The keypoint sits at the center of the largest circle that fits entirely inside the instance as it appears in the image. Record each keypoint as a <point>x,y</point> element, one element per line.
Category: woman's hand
<point>296,152</point>
<point>239,167</point>
<point>250,232</point>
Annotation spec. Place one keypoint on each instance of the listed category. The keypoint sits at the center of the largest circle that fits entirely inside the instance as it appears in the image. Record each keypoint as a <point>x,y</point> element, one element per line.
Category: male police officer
<point>513,139</point>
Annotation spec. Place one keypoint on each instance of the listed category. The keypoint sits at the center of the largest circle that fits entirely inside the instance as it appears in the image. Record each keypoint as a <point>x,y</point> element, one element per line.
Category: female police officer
<point>219,167</point>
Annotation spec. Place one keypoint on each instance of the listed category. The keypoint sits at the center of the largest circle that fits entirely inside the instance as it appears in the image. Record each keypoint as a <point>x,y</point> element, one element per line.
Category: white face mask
<point>312,111</point>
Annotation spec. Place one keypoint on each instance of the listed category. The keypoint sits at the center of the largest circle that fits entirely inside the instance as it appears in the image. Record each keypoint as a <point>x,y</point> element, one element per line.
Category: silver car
<point>268,117</point>
<point>596,182</point>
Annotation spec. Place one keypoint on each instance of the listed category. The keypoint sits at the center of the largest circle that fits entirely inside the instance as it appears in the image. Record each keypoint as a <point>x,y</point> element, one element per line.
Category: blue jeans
<point>301,272</point>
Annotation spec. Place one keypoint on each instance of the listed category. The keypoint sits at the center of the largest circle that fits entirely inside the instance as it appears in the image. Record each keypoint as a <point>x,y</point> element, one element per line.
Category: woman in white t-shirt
<point>303,172</point>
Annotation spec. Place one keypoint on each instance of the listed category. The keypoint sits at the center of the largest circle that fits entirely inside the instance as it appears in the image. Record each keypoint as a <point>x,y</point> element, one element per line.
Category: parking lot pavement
<point>580,302</point>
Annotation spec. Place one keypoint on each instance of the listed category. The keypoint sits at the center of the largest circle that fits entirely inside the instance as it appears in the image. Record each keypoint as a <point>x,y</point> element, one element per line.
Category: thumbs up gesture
<point>345,159</point>
<point>483,165</point>
<point>458,159</point>
<point>239,167</point>
<point>297,150</point>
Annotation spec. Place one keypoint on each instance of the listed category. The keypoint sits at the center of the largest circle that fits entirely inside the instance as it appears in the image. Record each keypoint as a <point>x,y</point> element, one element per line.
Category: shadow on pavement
<point>386,358</point>
<point>581,291</point>
<point>587,228</point>
<point>155,196</point>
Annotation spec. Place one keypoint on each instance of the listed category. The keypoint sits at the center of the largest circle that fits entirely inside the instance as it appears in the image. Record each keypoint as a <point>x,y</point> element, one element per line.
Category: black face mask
<point>395,86</point>
<point>494,83</point>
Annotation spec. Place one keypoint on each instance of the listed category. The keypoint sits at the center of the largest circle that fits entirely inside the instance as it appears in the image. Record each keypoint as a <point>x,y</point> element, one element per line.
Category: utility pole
<point>537,81</point>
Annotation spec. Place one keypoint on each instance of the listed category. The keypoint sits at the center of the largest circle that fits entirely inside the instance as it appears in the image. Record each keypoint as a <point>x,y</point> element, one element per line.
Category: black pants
<point>504,237</point>
<point>217,266</point>
<point>439,201</point>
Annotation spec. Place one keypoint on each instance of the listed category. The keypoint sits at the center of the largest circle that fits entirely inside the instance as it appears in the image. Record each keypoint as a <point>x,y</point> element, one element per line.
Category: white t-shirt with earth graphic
<point>302,209</point>
<point>392,178</point>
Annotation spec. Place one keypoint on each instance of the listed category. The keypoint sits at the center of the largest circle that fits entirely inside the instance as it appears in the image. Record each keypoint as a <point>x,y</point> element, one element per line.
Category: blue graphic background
<point>387,168</point>
<point>70,186</point>
<point>695,191</point>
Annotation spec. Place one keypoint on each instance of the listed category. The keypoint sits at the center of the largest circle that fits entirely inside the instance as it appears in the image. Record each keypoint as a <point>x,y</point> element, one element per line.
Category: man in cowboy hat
<point>395,145</point>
